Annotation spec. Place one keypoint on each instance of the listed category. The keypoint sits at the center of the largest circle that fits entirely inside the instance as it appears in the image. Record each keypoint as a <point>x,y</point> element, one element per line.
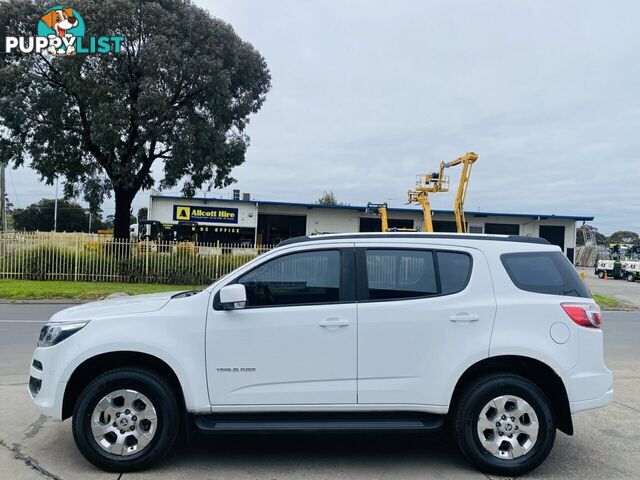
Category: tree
<point>180,92</point>
<point>40,216</point>
<point>599,237</point>
<point>624,236</point>
<point>143,213</point>
<point>328,198</point>
<point>109,220</point>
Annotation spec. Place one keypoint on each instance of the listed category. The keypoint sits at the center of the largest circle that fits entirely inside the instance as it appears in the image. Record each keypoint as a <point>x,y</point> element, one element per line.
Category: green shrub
<point>117,264</point>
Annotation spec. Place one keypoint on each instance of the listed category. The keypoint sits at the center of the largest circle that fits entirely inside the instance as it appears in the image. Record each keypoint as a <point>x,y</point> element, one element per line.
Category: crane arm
<point>416,196</point>
<point>384,218</point>
<point>467,161</point>
<point>469,157</point>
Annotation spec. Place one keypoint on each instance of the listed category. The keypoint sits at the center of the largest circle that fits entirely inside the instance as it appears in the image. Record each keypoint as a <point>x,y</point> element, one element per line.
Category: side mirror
<point>233,297</point>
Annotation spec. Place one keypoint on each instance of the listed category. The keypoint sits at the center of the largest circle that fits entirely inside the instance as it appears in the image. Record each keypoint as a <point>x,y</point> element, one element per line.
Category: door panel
<point>289,355</point>
<point>411,350</point>
<point>298,353</point>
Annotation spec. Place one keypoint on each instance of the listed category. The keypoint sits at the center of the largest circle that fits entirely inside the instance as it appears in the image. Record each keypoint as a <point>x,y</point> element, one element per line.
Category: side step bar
<point>317,422</point>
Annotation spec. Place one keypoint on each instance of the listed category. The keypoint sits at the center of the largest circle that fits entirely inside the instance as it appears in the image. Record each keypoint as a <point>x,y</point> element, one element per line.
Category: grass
<point>607,303</point>
<point>52,289</point>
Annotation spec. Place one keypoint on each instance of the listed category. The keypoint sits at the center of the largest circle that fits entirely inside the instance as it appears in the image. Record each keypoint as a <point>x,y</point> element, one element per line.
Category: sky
<point>368,94</point>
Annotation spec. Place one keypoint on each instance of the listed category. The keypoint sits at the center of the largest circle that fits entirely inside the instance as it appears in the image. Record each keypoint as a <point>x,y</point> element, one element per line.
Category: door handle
<point>334,323</point>
<point>464,318</point>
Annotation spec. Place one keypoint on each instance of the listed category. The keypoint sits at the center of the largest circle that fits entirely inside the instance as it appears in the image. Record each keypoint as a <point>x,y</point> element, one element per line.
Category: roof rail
<point>446,236</point>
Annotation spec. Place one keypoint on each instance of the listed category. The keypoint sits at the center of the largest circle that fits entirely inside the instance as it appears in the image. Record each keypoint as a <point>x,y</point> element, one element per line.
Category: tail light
<point>583,315</point>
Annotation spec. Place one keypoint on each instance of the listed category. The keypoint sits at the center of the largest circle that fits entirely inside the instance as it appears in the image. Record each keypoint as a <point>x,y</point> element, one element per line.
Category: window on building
<point>502,228</point>
<point>272,229</point>
<point>299,278</point>
<point>374,224</point>
<point>444,226</point>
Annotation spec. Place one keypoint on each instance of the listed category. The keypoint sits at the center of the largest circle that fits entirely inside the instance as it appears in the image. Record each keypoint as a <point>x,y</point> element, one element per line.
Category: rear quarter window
<point>455,270</point>
<point>544,272</point>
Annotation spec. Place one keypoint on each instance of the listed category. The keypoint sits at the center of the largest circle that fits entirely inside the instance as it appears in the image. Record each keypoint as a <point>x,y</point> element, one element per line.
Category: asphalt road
<point>626,292</point>
<point>606,443</point>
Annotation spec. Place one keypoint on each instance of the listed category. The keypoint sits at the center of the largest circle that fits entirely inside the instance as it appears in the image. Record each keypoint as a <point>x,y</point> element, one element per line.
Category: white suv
<point>494,337</point>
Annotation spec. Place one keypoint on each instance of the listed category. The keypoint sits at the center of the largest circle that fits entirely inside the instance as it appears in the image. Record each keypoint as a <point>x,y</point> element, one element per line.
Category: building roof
<point>468,213</point>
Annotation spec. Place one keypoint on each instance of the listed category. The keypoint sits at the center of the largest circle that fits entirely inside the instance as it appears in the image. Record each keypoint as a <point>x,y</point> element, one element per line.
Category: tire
<point>630,277</point>
<point>600,274</point>
<point>110,393</point>
<point>467,425</point>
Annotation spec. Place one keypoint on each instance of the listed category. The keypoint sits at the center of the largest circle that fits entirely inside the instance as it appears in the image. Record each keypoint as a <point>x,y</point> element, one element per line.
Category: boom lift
<point>380,209</point>
<point>439,182</point>
<point>467,161</point>
<point>430,183</point>
<point>426,184</point>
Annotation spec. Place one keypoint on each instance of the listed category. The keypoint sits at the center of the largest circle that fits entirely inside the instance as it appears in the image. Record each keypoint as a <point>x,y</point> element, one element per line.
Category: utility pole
<point>3,200</point>
<point>55,209</point>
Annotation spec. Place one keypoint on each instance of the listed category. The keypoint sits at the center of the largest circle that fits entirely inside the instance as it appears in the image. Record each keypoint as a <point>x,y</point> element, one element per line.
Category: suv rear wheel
<point>125,420</point>
<point>504,425</point>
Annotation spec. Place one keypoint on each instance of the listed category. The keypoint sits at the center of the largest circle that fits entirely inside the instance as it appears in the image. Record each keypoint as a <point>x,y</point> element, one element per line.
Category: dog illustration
<point>60,21</point>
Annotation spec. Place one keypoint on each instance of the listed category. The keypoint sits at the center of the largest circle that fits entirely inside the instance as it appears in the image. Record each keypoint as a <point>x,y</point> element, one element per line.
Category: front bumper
<point>44,386</point>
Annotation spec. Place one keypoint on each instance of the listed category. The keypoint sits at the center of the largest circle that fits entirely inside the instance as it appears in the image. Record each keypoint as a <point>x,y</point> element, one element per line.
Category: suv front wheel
<point>126,420</point>
<point>504,425</point>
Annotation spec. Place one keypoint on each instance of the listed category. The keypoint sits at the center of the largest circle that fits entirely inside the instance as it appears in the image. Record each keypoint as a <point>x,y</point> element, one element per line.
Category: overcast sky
<point>367,94</point>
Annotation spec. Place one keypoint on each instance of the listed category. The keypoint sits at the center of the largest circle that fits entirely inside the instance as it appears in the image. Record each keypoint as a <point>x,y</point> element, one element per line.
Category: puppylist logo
<point>61,31</point>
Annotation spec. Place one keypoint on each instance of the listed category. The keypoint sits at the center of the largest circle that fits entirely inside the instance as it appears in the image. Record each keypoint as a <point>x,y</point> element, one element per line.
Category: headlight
<point>52,334</point>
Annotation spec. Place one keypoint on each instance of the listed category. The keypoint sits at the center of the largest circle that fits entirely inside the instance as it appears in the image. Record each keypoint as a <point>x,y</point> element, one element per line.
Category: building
<point>268,222</point>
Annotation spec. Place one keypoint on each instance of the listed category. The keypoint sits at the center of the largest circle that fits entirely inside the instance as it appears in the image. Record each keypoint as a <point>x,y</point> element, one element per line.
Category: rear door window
<point>544,272</point>
<point>395,274</point>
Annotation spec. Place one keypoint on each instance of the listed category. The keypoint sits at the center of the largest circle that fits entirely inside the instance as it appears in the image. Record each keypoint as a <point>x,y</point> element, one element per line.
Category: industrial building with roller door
<point>244,220</point>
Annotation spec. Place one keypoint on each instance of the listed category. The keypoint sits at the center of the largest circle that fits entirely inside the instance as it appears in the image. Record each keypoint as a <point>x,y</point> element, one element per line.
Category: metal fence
<point>92,257</point>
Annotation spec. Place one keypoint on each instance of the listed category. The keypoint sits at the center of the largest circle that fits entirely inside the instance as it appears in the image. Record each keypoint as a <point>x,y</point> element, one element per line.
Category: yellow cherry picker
<point>432,183</point>
<point>439,182</point>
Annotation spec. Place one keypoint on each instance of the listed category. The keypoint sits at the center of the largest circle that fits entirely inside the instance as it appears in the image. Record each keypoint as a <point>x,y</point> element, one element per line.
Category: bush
<point>114,263</point>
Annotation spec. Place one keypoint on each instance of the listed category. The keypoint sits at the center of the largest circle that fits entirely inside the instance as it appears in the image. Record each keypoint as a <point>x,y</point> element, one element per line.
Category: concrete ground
<point>626,292</point>
<point>606,443</point>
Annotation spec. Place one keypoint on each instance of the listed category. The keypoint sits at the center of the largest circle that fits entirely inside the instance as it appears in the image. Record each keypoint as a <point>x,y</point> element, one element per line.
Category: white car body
<point>371,356</point>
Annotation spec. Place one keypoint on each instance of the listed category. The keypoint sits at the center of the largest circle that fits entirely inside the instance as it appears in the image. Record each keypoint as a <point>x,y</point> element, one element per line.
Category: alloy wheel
<point>124,422</point>
<point>508,427</point>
